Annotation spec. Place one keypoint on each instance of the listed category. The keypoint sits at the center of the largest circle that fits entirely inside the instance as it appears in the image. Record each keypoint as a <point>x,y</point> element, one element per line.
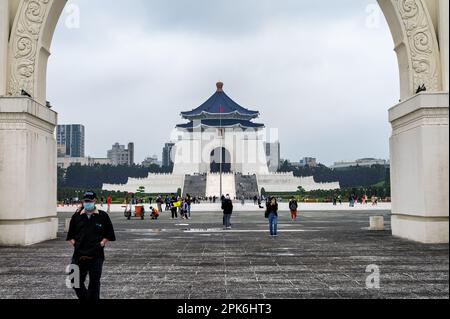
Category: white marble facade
<point>245,150</point>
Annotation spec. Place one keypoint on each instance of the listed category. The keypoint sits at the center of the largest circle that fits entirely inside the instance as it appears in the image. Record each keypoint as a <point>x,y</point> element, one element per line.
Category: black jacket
<point>88,233</point>
<point>227,206</point>
<point>293,205</point>
<point>272,209</point>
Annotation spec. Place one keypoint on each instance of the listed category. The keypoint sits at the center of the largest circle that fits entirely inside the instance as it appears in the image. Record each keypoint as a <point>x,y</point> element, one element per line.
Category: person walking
<point>189,203</point>
<point>174,207</point>
<point>159,202</point>
<point>90,230</point>
<point>227,206</point>
<point>168,201</point>
<point>184,209</point>
<point>374,200</point>
<point>108,202</point>
<point>293,206</point>
<point>272,215</point>
<point>351,200</point>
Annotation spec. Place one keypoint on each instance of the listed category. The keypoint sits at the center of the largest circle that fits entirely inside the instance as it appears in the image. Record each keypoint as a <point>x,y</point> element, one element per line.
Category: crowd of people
<point>181,207</point>
<point>177,205</point>
<point>354,199</point>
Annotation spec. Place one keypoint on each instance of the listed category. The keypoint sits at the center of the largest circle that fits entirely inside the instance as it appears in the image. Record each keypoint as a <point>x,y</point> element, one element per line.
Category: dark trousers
<point>94,268</point>
<point>174,212</point>
<point>227,220</point>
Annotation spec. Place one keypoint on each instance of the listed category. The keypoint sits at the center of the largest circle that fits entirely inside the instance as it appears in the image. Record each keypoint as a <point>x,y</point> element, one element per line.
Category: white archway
<point>419,142</point>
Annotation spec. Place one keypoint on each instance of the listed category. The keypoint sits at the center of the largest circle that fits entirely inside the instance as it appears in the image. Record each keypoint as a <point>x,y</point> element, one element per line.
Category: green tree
<point>301,191</point>
<point>140,191</point>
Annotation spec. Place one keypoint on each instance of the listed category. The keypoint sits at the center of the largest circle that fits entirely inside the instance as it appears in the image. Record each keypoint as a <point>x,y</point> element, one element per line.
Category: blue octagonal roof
<point>221,105</point>
<point>221,124</point>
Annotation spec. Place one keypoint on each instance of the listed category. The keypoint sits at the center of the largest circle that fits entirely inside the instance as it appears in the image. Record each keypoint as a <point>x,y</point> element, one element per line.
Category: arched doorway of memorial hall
<point>418,145</point>
<point>220,160</point>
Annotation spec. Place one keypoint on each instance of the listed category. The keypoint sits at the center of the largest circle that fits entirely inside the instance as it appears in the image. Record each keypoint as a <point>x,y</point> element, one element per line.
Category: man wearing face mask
<point>89,232</point>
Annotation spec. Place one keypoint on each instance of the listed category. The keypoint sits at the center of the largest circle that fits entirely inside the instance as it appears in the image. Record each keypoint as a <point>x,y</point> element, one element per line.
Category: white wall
<point>287,182</point>
<point>28,172</point>
<point>154,183</point>
<point>420,168</point>
<point>193,151</point>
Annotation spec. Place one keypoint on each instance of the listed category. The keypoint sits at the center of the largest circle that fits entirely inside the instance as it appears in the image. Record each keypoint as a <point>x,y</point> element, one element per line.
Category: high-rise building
<point>73,138</point>
<point>167,159</point>
<point>119,155</point>
<point>131,154</point>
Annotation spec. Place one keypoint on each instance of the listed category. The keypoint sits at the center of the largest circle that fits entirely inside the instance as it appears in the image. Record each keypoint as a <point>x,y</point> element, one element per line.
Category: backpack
<point>293,206</point>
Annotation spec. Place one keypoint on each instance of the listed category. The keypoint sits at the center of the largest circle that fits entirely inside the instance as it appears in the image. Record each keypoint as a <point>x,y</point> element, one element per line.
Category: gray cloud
<point>314,71</point>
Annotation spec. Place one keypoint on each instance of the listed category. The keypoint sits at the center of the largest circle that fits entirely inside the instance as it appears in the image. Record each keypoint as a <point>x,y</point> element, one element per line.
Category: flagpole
<point>221,153</point>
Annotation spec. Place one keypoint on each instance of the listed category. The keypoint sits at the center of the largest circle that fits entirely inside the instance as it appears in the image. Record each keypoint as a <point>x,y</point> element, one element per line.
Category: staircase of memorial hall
<point>195,185</point>
<point>246,185</point>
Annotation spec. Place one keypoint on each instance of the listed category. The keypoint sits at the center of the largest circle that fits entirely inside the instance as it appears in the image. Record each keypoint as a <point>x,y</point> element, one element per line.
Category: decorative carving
<point>424,52</point>
<point>24,42</point>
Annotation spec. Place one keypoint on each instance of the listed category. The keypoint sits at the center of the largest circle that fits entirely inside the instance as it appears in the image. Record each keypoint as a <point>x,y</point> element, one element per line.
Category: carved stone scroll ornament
<point>424,51</point>
<point>24,45</point>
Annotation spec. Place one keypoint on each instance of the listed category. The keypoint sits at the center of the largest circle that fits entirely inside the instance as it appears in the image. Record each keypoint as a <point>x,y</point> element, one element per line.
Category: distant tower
<point>72,137</point>
<point>130,154</point>
<point>119,155</point>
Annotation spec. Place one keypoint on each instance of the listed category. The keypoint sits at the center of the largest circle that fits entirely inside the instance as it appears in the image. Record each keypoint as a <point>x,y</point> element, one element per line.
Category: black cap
<point>89,196</point>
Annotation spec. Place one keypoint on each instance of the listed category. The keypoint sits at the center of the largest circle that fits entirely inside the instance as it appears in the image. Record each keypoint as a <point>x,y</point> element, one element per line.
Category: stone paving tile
<point>196,259</point>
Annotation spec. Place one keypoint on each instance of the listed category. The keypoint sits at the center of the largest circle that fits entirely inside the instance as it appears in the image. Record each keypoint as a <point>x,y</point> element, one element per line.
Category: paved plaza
<point>323,255</point>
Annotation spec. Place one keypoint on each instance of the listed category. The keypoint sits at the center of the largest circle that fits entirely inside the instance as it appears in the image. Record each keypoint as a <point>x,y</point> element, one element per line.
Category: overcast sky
<point>323,72</point>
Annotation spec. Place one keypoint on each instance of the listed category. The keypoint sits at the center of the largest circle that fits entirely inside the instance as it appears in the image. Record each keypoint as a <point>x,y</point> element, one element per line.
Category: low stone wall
<point>169,183</point>
<point>287,182</point>
<point>154,183</point>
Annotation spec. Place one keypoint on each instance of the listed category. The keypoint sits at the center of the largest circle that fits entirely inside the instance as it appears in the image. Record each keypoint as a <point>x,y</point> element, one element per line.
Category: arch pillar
<point>27,142</point>
<point>419,140</point>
